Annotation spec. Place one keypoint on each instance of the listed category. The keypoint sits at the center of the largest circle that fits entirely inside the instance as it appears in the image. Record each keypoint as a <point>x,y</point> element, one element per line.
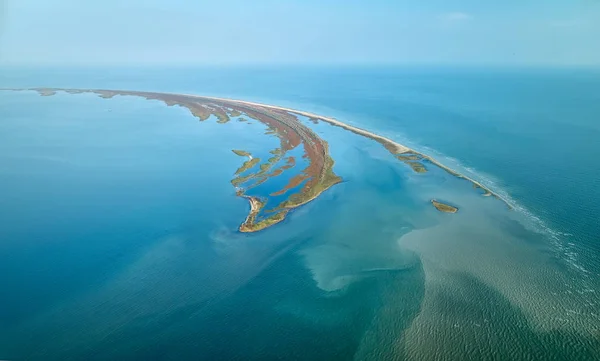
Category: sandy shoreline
<point>393,147</point>
<point>399,148</point>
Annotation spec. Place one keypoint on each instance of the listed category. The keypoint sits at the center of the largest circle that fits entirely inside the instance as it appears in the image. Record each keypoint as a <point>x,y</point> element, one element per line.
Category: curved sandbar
<point>392,146</point>
<point>317,177</point>
<point>283,122</point>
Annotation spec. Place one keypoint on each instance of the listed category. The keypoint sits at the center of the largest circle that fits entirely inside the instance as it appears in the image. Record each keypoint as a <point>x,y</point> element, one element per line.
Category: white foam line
<point>556,237</point>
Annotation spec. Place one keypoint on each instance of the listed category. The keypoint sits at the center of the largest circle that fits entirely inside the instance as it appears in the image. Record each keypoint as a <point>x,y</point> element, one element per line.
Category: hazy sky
<point>300,31</point>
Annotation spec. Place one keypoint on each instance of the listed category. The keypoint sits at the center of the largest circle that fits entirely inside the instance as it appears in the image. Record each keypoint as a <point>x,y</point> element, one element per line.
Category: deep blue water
<point>118,237</point>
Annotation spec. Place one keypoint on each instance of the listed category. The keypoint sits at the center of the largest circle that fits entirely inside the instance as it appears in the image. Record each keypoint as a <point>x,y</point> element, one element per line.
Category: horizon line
<point>303,64</point>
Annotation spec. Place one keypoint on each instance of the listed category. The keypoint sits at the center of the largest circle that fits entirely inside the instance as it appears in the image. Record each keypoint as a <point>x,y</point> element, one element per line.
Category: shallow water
<point>119,236</point>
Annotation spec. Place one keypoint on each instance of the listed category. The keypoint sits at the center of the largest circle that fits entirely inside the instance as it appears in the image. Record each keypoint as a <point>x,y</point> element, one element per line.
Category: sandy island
<point>283,122</point>
<point>443,207</point>
<point>392,146</point>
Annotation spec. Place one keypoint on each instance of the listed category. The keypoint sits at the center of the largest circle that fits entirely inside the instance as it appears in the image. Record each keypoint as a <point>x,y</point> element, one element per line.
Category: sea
<point>119,223</point>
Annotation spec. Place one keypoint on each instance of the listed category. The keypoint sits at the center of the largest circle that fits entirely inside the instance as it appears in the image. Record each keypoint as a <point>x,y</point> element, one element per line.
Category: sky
<point>186,32</point>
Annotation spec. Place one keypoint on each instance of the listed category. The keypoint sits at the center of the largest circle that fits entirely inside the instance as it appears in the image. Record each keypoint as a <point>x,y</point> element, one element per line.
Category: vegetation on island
<point>442,207</point>
<point>234,113</point>
<point>408,157</point>
<point>417,167</point>
<point>255,226</point>
<point>241,179</point>
<point>241,153</point>
<point>290,162</point>
<point>309,183</point>
<point>247,165</point>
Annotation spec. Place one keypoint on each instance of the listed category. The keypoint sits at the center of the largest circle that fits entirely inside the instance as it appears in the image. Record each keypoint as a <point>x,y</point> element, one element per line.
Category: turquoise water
<point>119,241</point>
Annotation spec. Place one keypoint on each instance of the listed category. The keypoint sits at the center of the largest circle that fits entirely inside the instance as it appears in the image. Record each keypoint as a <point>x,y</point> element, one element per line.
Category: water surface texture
<point>119,223</point>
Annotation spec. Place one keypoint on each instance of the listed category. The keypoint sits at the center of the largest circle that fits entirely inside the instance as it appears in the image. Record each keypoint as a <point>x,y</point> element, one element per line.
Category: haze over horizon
<point>176,32</point>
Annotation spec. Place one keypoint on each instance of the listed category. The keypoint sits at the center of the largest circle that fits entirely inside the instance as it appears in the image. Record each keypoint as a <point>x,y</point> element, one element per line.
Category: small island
<point>241,153</point>
<point>442,207</point>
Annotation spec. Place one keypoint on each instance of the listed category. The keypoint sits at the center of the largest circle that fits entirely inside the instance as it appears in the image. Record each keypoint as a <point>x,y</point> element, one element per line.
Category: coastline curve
<point>284,122</point>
